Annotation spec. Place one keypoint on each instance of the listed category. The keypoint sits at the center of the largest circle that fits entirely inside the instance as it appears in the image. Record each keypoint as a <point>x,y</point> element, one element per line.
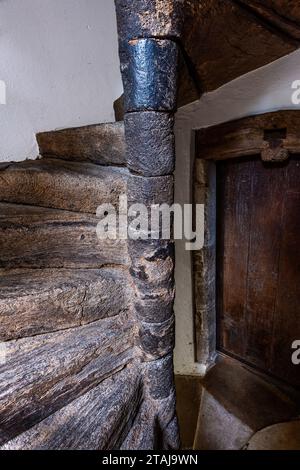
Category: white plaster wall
<point>59,60</point>
<point>266,89</point>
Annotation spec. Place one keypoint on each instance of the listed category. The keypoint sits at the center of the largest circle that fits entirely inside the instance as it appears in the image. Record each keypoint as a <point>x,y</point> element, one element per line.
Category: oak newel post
<point>148,32</point>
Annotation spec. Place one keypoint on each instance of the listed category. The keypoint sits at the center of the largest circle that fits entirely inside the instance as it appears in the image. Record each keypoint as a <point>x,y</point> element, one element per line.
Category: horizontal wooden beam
<point>251,136</point>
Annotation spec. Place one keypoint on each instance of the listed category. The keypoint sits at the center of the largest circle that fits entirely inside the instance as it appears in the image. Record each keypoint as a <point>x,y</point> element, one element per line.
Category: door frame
<point>274,136</point>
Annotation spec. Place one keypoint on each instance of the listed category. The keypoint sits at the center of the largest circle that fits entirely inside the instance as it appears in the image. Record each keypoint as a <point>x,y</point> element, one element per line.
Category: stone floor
<point>188,390</point>
<point>283,436</point>
<point>234,408</point>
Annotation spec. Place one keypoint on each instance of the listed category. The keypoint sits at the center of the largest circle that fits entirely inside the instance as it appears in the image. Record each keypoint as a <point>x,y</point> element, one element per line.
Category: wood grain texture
<point>204,264</point>
<point>214,54</point>
<point>246,137</point>
<point>57,184</point>
<point>46,372</point>
<point>282,15</point>
<point>36,237</point>
<point>159,378</point>
<point>286,328</point>
<point>233,181</point>
<point>142,435</point>
<point>288,9</point>
<point>157,339</point>
<point>259,264</point>
<point>215,41</point>
<point>98,143</point>
<point>40,301</point>
<point>263,257</point>
<point>98,420</point>
<point>152,270</point>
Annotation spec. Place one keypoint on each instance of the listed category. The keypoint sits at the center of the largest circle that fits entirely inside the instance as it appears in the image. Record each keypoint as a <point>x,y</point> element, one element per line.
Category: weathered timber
<point>99,143</point>
<point>159,377</point>
<point>214,54</point>
<point>143,434</point>
<point>155,427</point>
<point>46,372</point>
<point>40,301</point>
<point>157,339</point>
<point>39,238</point>
<point>171,439</point>
<point>258,320</point>
<point>149,75</point>
<point>151,143</point>
<point>73,186</point>
<point>215,41</point>
<point>148,18</point>
<point>98,420</point>
<point>282,16</point>
<point>150,191</point>
<point>149,66</point>
<point>152,264</point>
<point>249,136</point>
<point>288,9</point>
<point>204,264</point>
<point>166,432</point>
<point>156,306</point>
<point>189,88</point>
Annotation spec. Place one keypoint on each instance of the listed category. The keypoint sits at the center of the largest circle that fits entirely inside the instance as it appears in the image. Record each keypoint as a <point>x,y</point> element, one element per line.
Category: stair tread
<point>38,237</point>
<point>43,373</point>
<point>99,143</point>
<point>236,402</point>
<point>248,394</point>
<point>15,283</point>
<point>41,301</point>
<point>98,420</point>
<point>53,183</point>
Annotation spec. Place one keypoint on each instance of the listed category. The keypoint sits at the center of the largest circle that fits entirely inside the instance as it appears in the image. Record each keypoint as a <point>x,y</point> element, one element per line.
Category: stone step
<point>42,301</point>
<point>236,402</point>
<point>58,184</point>
<point>282,436</point>
<point>35,237</point>
<point>39,375</point>
<point>98,143</point>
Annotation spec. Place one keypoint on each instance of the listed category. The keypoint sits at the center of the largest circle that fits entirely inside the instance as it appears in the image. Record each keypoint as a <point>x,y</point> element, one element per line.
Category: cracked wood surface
<point>219,40</point>
<point>46,372</point>
<point>58,184</point>
<point>248,136</point>
<point>35,237</point>
<point>34,302</point>
<point>98,143</point>
<point>225,40</point>
<point>98,420</point>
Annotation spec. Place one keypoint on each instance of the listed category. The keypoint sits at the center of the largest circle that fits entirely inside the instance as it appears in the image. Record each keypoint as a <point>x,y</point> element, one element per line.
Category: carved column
<point>148,33</point>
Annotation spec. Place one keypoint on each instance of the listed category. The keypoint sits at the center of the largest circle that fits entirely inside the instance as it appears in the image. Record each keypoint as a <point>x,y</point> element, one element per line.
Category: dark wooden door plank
<point>259,264</point>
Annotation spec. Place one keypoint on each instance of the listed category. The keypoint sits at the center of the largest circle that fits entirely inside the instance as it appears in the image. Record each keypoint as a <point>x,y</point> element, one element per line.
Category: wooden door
<point>258,267</point>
